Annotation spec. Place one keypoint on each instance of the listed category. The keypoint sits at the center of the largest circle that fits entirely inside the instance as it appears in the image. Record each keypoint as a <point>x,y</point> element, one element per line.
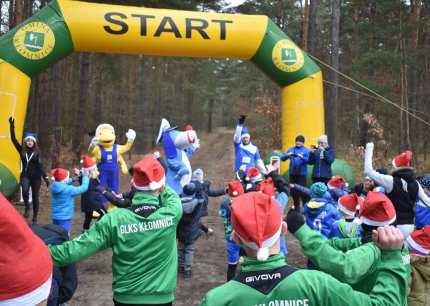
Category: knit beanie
<point>318,189</point>
<point>323,139</point>
<point>300,138</point>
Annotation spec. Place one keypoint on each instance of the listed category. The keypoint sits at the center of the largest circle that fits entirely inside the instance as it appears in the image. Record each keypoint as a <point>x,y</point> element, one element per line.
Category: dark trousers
<point>320,179</point>
<point>297,195</point>
<point>34,183</point>
<point>122,304</point>
<point>89,217</point>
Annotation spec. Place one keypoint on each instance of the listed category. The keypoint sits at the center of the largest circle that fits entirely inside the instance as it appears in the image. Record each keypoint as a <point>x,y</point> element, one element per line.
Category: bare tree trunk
<point>313,26</point>
<point>11,14</point>
<point>58,76</point>
<point>19,10</point>
<point>81,111</point>
<point>305,27</point>
<point>331,113</point>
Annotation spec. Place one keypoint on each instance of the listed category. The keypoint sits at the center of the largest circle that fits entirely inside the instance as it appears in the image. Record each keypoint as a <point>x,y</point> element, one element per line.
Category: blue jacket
<point>63,202</point>
<point>322,162</point>
<point>298,165</point>
<point>422,215</point>
<point>347,232</point>
<point>320,215</point>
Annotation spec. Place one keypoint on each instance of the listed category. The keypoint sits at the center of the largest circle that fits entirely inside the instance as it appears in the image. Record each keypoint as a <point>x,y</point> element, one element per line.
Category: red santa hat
<point>267,187</point>
<point>60,174</point>
<point>349,203</point>
<point>148,174</point>
<point>377,210</point>
<point>256,219</point>
<point>403,160</point>
<point>26,264</point>
<point>87,163</point>
<point>254,175</point>
<point>235,188</point>
<point>337,182</point>
<point>419,241</point>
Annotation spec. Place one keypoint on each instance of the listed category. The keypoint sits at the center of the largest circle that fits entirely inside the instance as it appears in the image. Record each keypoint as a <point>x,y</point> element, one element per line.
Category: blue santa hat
<point>245,133</point>
<point>30,136</point>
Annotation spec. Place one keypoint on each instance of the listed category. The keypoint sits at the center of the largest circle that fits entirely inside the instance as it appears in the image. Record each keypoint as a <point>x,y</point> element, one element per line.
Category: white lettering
<point>304,302</point>
<point>145,226</point>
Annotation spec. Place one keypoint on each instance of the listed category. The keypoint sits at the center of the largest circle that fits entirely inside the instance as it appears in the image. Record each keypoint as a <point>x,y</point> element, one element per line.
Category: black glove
<point>241,120</point>
<point>279,182</point>
<point>294,220</point>
<point>12,122</point>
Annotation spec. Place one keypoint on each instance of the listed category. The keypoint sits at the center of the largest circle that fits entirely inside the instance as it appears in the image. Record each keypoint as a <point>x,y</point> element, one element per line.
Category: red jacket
<point>25,261</point>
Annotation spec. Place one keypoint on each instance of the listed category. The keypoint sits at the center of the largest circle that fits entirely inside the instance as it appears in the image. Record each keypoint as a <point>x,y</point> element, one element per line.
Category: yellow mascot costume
<point>108,154</point>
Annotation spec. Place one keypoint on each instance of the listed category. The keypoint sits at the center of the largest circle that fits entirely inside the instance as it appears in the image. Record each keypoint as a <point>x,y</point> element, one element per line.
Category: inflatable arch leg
<point>65,26</point>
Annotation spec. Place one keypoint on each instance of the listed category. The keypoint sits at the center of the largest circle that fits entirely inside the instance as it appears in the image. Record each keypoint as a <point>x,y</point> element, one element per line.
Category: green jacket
<point>349,260</point>
<point>419,294</point>
<point>143,242</point>
<point>273,283</point>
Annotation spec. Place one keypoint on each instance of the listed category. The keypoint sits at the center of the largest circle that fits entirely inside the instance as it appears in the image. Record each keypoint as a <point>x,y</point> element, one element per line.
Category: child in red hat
<point>401,187</point>
<point>348,226</point>
<point>419,248</point>
<point>266,279</point>
<point>62,197</point>
<point>235,189</point>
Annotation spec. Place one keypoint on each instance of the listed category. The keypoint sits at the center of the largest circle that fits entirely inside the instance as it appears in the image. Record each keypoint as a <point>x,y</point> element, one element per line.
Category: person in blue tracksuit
<point>322,157</point>
<point>299,158</point>
<point>62,197</point>
<point>235,189</point>
<point>319,212</point>
<point>247,155</point>
<point>422,211</point>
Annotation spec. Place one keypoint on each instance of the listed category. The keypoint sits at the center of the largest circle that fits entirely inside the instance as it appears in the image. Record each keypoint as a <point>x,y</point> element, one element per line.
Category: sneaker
<point>187,273</point>
<point>163,127</point>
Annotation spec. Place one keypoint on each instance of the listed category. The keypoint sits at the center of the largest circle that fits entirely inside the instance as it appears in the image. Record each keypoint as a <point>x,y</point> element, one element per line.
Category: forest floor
<point>209,270</point>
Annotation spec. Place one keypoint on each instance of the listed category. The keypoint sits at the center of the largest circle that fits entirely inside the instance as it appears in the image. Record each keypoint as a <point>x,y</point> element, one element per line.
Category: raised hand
<point>241,119</point>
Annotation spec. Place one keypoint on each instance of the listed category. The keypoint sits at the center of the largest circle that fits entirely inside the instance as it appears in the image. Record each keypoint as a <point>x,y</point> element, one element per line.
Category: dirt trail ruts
<point>216,158</point>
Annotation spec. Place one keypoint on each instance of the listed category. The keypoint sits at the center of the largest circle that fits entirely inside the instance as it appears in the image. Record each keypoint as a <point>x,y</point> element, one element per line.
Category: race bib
<point>109,157</point>
<point>246,160</point>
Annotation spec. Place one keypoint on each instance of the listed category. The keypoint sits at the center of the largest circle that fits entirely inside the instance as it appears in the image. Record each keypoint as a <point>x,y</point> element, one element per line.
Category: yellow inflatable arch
<point>65,26</point>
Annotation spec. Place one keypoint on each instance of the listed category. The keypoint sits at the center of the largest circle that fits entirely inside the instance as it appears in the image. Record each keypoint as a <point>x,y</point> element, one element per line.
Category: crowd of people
<point>367,244</point>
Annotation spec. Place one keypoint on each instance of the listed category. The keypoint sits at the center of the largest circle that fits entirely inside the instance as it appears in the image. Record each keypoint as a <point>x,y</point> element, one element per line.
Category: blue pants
<point>233,253</point>
<point>66,224</point>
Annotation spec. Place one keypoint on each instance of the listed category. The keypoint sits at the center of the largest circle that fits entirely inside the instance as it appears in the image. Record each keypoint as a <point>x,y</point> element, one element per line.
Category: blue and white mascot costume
<point>246,154</point>
<point>178,146</point>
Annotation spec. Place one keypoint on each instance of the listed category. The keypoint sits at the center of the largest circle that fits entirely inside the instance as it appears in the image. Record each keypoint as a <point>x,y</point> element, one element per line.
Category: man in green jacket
<point>353,261</point>
<point>266,280</point>
<point>142,238</point>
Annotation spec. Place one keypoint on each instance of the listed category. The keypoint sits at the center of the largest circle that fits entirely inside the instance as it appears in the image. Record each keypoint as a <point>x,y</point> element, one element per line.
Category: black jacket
<point>92,199</point>
<point>32,166</point>
<point>404,201</point>
<point>66,277</point>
